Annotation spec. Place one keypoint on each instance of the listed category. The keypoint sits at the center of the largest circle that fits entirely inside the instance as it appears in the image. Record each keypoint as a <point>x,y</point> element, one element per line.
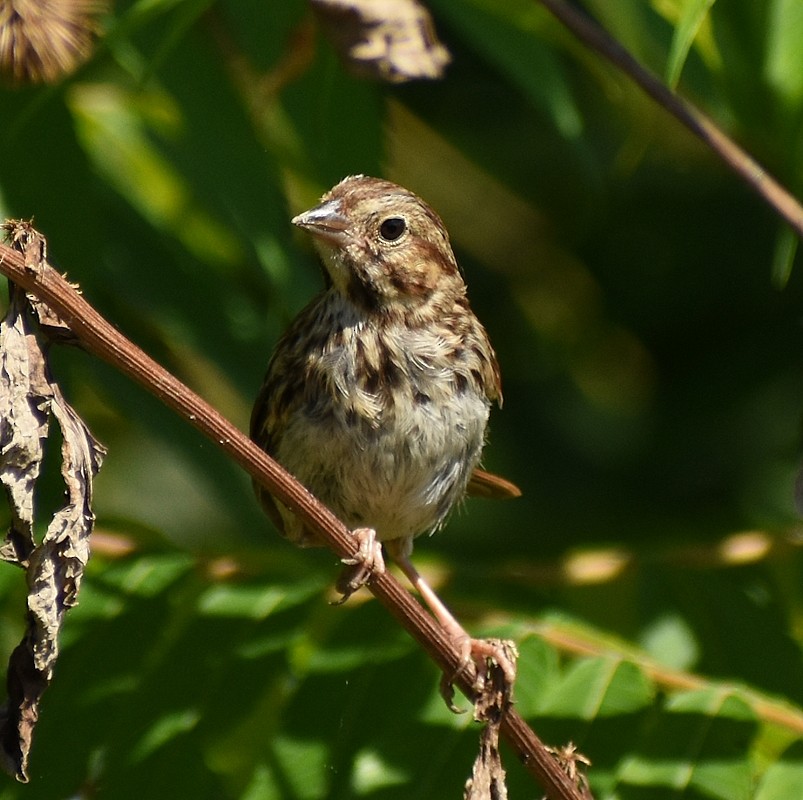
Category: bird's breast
<point>389,429</point>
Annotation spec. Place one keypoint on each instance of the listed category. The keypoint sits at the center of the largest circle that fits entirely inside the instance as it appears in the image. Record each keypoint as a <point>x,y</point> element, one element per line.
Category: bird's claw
<point>494,663</point>
<point>367,561</point>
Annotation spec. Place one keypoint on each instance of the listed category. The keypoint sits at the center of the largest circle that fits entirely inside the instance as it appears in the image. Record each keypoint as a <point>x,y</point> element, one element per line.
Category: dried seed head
<point>43,40</point>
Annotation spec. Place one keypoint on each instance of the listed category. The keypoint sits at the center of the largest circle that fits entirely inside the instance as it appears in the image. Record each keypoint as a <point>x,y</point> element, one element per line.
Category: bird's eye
<point>392,228</point>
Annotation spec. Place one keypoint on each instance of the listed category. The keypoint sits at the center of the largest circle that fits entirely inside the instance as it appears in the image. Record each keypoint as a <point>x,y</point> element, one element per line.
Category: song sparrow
<point>378,395</point>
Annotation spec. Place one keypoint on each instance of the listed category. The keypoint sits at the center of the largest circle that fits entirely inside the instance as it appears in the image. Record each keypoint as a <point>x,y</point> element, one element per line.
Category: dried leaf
<point>389,40</point>
<point>572,761</point>
<point>487,781</point>
<point>23,425</point>
<point>28,398</point>
<point>25,238</point>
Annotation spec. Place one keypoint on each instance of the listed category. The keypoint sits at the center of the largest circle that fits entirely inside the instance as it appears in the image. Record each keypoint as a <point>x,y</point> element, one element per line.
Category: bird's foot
<point>494,663</point>
<point>367,561</point>
<point>494,660</point>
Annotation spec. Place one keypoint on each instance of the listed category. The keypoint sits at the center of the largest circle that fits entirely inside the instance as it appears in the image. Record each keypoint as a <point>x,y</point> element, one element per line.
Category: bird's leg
<point>480,652</point>
<point>367,561</point>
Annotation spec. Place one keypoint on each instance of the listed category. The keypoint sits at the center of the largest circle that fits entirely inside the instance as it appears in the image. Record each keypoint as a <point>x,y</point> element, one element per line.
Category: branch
<point>747,168</point>
<point>101,339</point>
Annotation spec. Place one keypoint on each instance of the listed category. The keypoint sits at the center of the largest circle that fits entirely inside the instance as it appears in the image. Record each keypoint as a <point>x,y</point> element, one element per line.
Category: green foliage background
<point>648,322</point>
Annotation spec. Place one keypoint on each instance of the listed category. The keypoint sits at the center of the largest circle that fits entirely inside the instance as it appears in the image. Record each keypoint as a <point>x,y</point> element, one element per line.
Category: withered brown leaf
<point>389,40</point>
<point>488,779</point>
<point>29,397</point>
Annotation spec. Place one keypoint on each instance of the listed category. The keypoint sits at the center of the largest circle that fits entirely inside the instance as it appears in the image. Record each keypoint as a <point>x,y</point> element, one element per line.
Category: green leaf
<point>164,730</point>
<point>784,256</point>
<point>147,576</point>
<point>783,779</point>
<point>507,34</point>
<point>538,673</point>
<point>302,766</point>
<point>692,16</point>
<point>696,745</point>
<point>784,66</point>
<point>252,601</point>
<point>599,687</point>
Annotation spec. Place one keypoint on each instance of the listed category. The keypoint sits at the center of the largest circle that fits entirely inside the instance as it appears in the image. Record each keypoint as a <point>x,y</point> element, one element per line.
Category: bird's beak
<point>325,222</point>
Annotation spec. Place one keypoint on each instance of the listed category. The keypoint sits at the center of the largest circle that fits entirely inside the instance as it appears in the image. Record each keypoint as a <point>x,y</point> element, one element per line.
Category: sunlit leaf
<point>697,745</point>
<point>783,779</point>
<point>692,16</point>
<point>784,68</point>
<point>599,687</point>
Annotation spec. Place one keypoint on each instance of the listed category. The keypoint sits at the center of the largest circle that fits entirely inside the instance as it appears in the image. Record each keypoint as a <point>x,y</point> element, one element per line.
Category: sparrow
<point>377,396</point>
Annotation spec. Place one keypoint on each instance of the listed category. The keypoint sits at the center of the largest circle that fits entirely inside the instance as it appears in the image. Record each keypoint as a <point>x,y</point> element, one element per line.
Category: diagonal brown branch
<point>101,339</point>
<point>747,168</point>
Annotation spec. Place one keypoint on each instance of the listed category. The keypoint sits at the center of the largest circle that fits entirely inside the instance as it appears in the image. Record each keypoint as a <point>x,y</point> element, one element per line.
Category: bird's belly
<point>399,471</point>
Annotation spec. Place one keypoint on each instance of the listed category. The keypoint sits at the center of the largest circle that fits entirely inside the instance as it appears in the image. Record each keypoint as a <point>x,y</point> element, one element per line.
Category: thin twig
<point>736,159</point>
<point>101,339</point>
